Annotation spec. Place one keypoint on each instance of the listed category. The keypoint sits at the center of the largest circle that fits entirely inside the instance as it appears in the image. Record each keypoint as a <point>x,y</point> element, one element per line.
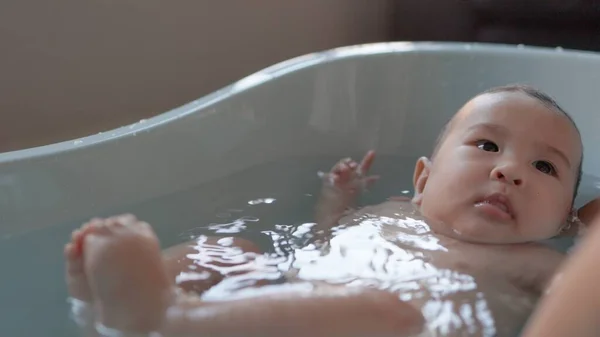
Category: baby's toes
<point>75,274</point>
<point>73,259</point>
<point>74,248</point>
<point>121,223</point>
<point>128,224</point>
<point>78,236</point>
<point>70,252</point>
<point>91,226</point>
<point>102,227</point>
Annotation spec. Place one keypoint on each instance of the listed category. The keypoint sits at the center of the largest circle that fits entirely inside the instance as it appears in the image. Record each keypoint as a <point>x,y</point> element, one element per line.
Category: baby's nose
<point>507,174</point>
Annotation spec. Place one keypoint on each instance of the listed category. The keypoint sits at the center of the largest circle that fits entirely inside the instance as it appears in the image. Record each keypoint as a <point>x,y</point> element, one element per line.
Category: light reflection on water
<point>398,254</point>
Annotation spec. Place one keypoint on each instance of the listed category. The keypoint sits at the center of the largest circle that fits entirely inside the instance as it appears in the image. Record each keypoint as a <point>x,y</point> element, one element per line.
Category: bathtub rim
<point>280,69</point>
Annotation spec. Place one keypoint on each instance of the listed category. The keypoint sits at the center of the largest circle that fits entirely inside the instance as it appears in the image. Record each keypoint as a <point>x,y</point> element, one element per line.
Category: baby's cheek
<point>441,208</point>
<point>430,207</point>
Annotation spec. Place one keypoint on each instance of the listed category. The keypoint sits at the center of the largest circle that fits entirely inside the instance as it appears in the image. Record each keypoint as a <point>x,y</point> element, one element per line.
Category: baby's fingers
<point>341,165</point>
<point>345,168</point>
<point>365,164</point>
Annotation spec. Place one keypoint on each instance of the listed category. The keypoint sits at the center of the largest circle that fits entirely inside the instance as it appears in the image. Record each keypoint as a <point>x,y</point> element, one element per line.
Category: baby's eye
<point>545,167</point>
<point>487,145</point>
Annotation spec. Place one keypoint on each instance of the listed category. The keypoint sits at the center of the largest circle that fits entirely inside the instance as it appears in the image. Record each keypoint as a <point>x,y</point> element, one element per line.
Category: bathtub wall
<point>71,68</point>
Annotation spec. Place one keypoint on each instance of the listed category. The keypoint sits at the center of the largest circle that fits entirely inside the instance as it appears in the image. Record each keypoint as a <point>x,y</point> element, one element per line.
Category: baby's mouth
<point>496,205</point>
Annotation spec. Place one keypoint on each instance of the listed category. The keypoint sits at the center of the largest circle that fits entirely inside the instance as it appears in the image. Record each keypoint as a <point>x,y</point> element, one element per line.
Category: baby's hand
<point>340,191</point>
<point>590,212</point>
<point>589,216</point>
<point>350,177</point>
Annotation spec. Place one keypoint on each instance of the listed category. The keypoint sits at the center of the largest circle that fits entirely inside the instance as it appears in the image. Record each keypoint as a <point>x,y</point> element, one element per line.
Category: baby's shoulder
<point>538,251</point>
<point>532,265</point>
<point>531,256</point>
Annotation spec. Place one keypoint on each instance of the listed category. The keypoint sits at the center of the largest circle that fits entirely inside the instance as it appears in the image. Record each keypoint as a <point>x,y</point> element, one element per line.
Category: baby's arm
<point>341,188</point>
<point>571,306</point>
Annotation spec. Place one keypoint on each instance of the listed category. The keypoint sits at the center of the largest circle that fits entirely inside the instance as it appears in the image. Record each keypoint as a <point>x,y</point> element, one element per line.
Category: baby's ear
<point>586,217</point>
<point>571,226</point>
<point>578,221</point>
<point>420,176</point>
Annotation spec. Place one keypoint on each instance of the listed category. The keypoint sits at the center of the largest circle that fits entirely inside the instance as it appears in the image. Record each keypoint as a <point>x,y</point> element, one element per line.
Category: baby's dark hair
<point>531,92</point>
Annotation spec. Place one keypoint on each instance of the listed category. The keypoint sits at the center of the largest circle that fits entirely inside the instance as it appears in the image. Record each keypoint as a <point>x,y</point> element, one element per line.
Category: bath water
<point>33,297</point>
<point>276,199</point>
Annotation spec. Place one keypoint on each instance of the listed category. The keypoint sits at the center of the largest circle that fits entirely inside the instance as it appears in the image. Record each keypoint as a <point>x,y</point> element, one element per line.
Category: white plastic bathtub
<point>393,97</point>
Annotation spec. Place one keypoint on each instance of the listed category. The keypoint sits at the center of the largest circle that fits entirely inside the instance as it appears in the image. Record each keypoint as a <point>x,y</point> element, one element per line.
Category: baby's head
<point>506,168</point>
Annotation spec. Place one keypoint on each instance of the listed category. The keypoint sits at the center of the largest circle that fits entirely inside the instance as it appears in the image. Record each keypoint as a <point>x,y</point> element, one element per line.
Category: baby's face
<point>505,172</point>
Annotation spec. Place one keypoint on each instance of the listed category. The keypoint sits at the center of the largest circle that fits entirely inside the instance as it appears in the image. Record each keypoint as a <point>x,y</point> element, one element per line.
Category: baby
<point>463,258</point>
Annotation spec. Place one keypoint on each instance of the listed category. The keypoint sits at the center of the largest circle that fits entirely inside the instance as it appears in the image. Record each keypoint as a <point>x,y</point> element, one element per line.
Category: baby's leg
<point>122,275</point>
<point>200,264</point>
<point>182,262</point>
<point>298,311</point>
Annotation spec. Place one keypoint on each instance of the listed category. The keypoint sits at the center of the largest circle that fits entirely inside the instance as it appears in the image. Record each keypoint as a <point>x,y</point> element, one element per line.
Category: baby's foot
<point>77,283</point>
<point>127,278</point>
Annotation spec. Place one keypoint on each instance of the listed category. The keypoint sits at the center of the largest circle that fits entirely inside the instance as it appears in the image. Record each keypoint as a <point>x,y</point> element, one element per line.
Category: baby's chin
<point>485,232</point>
<point>473,228</point>
<point>497,238</point>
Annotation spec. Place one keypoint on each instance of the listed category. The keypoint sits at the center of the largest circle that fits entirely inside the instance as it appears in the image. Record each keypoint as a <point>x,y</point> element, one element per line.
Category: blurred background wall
<point>70,68</point>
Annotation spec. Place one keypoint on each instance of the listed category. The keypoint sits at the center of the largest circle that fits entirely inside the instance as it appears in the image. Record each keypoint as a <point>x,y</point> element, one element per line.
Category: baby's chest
<point>524,269</point>
<point>392,248</point>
